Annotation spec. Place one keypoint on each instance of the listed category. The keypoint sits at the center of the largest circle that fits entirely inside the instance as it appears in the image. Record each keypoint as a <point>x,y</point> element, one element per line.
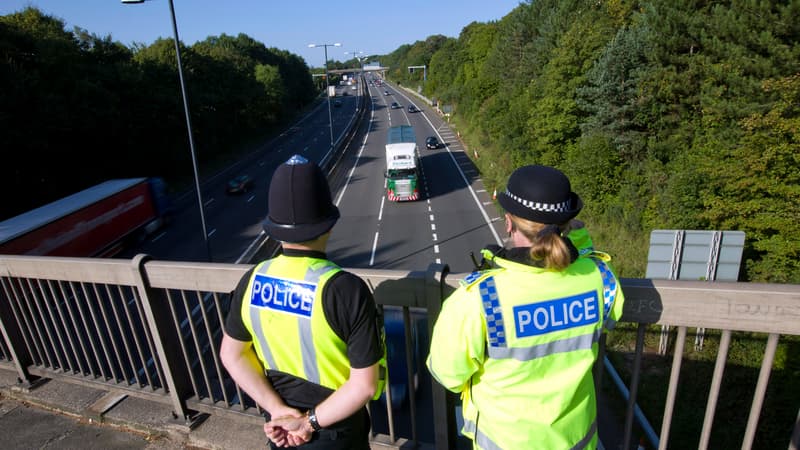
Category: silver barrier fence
<point>152,329</point>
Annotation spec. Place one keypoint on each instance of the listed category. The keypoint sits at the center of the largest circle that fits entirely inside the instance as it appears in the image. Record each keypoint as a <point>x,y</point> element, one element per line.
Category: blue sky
<point>368,27</point>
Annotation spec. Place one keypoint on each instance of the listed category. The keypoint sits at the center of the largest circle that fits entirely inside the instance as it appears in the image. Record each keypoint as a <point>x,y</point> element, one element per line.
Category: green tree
<point>553,124</point>
<point>755,186</point>
<point>273,88</point>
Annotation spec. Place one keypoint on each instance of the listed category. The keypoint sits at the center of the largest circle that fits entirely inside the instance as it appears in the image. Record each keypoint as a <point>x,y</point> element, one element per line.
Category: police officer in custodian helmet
<point>518,338</point>
<point>303,337</point>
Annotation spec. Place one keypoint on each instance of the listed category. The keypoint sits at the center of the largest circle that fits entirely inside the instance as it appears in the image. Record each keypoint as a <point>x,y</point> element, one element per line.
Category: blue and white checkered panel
<point>493,313</point>
<point>609,286</point>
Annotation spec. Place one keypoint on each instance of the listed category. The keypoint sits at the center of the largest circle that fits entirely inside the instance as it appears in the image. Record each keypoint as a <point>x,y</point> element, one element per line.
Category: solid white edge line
<point>358,157</point>
<point>466,183</point>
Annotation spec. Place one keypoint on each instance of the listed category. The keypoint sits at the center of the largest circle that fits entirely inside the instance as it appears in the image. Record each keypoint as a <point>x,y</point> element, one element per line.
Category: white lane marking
<point>466,182</point>
<point>380,210</point>
<point>250,199</point>
<point>358,158</point>
<point>431,217</point>
<point>212,232</point>
<point>257,241</point>
<point>436,248</point>
<point>374,246</point>
<point>435,238</point>
<point>433,227</point>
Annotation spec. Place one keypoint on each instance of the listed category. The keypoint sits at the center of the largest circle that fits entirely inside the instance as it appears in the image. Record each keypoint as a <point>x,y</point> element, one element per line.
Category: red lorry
<point>97,221</point>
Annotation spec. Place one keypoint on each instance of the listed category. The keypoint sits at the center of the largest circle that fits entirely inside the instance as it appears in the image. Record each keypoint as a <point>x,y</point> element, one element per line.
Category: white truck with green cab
<point>402,164</point>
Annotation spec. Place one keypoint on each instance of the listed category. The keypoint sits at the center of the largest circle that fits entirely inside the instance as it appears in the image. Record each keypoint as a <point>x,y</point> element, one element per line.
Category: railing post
<point>165,337</point>
<point>12,336</point>
<point>444,421</point>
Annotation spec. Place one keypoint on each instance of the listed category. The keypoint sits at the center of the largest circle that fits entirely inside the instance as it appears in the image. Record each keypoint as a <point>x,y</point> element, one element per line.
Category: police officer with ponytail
<point>303,338</point>
<point>519,337</point>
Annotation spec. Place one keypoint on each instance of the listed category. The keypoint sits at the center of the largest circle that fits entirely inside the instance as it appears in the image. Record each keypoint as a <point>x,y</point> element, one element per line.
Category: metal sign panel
<point>695,255</point>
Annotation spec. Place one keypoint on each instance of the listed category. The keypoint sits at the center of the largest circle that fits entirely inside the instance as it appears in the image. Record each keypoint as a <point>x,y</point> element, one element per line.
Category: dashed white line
<point>374,246</point>
<point>436,248</point>
<point>435,238</point>
<point>433,227</point>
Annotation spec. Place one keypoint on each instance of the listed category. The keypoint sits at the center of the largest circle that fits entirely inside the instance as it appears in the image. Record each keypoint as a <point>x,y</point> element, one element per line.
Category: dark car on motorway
<point>239,185</point>
<point>431,142</point>
<point>385,92</point>
<point>412,109</point>
<point>395,105</point>
<point>337,103</point>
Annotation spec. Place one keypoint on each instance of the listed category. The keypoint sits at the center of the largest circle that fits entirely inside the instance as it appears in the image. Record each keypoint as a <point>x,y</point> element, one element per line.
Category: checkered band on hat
<point>539,206</point>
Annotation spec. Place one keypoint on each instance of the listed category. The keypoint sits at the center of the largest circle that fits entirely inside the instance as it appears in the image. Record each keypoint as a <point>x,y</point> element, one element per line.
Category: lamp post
<point>188,122</point>
<point>358,75</point>
<point>355,55</point>
<point>358,61</point>
<point>327,83</point>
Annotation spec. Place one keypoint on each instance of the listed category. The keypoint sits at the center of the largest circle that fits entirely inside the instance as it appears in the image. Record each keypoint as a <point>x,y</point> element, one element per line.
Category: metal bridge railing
<point>152,329</point>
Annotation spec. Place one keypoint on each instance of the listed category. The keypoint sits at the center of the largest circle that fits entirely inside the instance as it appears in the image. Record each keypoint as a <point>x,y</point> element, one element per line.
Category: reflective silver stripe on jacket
<point>258,330</point>
<point>582,342</point>
<point>309,352</point>
<point>481,440</point>
<point>485,443</point>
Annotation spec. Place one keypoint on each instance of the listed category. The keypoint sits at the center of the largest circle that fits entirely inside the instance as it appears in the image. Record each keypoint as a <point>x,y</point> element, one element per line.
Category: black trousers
<point>349,434</point>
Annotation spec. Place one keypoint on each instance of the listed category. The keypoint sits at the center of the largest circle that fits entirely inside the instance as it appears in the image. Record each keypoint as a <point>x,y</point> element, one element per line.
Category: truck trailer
<point>98,221</point>
<point>402,164</point>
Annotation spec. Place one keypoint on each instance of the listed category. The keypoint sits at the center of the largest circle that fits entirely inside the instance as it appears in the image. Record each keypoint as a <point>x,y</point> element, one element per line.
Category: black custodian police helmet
<point>300,204</point>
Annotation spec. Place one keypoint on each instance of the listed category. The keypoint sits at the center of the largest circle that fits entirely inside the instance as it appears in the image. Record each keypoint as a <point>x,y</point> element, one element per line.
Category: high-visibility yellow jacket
<point>283,312</point>
<point>518,342</point>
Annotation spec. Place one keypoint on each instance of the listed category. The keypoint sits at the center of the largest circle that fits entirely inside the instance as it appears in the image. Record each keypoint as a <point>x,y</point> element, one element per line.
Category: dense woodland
<point>77,109</point>
<point>666,114</point>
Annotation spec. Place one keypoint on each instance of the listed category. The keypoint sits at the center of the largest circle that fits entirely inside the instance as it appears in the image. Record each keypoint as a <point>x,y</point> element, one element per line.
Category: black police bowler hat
<point>300,205</point>
<point>542,194</point>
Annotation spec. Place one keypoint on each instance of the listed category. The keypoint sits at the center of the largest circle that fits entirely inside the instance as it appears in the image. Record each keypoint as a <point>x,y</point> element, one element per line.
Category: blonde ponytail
<point>546,243</point>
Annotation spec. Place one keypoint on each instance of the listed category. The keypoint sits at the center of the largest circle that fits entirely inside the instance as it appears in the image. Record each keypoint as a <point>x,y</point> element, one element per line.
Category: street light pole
<point>327,83</point>
<point>358,77</point>
<point>185,97</point>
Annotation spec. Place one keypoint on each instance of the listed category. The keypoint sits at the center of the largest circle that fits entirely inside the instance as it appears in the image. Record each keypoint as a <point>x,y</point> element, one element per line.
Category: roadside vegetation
<point>77,109</point>
<point>665,115</point>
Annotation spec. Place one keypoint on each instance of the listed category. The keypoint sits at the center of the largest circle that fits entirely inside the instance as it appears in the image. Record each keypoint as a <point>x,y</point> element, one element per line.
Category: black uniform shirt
<point>351,313</point>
